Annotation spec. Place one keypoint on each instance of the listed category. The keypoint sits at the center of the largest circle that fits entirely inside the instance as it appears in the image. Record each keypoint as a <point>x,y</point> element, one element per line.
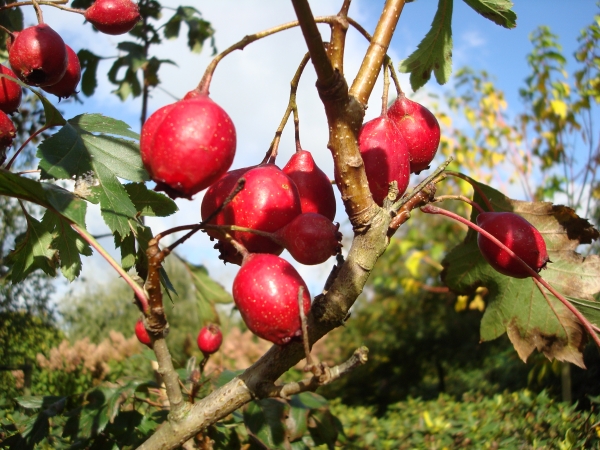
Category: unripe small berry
<point>210,339</point>
<point>142,333</point>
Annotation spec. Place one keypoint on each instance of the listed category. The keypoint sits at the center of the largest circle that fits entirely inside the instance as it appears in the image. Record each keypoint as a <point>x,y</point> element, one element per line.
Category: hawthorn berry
<point>210,339</point>
<point>518,235</point>
<point>265,290</point>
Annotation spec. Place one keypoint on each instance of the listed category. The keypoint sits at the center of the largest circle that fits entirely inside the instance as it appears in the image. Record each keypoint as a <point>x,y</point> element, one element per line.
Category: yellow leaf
<point>413,262</point>
<point>559,108</point>
<point>461,303</point>
<point>427,419</point>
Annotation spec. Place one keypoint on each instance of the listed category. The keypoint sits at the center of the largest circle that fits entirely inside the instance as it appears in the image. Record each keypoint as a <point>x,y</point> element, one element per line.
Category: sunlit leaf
<point>517,306</point>
<point>434,52</point>
<point>498,11</point>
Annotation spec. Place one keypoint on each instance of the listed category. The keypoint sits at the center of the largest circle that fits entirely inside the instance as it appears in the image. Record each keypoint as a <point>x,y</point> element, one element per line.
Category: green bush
<point>518,420</point>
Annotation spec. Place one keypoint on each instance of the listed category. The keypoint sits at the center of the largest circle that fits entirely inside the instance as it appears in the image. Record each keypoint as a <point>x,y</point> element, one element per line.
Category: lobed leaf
<point>498,11</point>
<point>532,319</point>
<point>150,203</point>
<point>434,52</point>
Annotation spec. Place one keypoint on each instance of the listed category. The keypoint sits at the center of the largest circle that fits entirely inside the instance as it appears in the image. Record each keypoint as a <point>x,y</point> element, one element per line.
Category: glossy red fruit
<point>7,131</point>
<point>385,156</point>
<point>265,290</point>
<point>187,146</point>
<point>268,202</point>
<point>10,92</point>
<point>142,333</point>
<point>113,16</point>
<point>210,339</point>
<point>517,234</point>
<point>314,187</point>
<point>38,56</point>
<point>310,238</point>
<point>420,130</point>
<point>67,85</point>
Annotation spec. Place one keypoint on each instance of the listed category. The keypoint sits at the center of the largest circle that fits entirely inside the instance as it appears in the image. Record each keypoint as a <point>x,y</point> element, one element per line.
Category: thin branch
<point>536,276</point>
<point>367,75</point>
<point>137,289</point>
<point>314,42</point>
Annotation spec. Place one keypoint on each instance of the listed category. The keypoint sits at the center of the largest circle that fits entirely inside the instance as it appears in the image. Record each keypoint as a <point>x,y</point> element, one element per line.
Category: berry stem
<point>204,85</point>
<point>140,295</point>
<point>292,106</point>
<point>309,362</point>
<point>474,185</point>
<point>386,88</point>
<point>27,141</point>
<point>195,228</point>
<point>430,209</point>
<point>390,66</point>
<point>462,198</point>
<point>38,12</point>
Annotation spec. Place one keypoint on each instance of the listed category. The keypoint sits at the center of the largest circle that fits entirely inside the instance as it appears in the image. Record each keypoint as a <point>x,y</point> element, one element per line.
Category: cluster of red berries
<point>209,338</point>
<point>39,57</point>
<point>402,141</point>
<point>189,146</point>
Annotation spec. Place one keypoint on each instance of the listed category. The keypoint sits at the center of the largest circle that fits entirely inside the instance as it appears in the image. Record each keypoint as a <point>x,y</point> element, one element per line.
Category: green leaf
<point>434,52</point>
<point>115,206</point>
<point>68,243</point>
<point>32,251</point>
<point>498,11</point>
<point>265,420</point>
<point>198,29</point>
<point>34,402</point>
<point>531,319</point>
<point>309,400</point>
<point>75,151</point>
<point>47,195</point>
<point>150,203</point>
<point>89,66</point>
<point>208,292</point>
<point>128,251</point>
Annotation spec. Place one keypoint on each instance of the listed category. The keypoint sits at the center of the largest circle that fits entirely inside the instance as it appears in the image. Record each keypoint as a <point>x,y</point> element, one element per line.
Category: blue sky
<point>253,85</point>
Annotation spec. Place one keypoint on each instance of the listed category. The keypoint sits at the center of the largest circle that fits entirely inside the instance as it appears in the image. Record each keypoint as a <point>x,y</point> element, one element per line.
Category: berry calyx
<point>38,55</point>
<point>385,156</point>
<point>420,130</point>
<point>10,92</point>
<point>314,187</point>
<point>265,290</point>
<point>113,16</point>
<point>68,83</point>
<point>210,339</point>
<point>187,146</point>
<point>268,202</point>
<point>518,235</point>
<point>142,334</point>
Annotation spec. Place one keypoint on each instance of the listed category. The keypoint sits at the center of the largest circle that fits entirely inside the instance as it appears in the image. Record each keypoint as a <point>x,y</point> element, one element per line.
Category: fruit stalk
<point>292,106</point>
<point>430,209</point>
<point>140,295</point>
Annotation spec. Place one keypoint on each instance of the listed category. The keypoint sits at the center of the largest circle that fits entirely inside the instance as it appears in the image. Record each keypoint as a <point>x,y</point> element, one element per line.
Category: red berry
<point>385,156</point>
<point>7,133</point>
<point>68,83</point>
<point>268,202</point>
<point>265,290</point>
<point>310,238</point>
<point>142,333</point>
<point>10,92</point>
<point>518,235</point>
<point>187,146</point>
<point>113,16</point>
<point>420,130</point>
<point>38,55</point>
<point>314,187</point>
<point>210,339</point>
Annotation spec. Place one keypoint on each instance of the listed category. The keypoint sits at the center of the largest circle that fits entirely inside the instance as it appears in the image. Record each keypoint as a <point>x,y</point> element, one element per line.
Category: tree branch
<point>367,75</point>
